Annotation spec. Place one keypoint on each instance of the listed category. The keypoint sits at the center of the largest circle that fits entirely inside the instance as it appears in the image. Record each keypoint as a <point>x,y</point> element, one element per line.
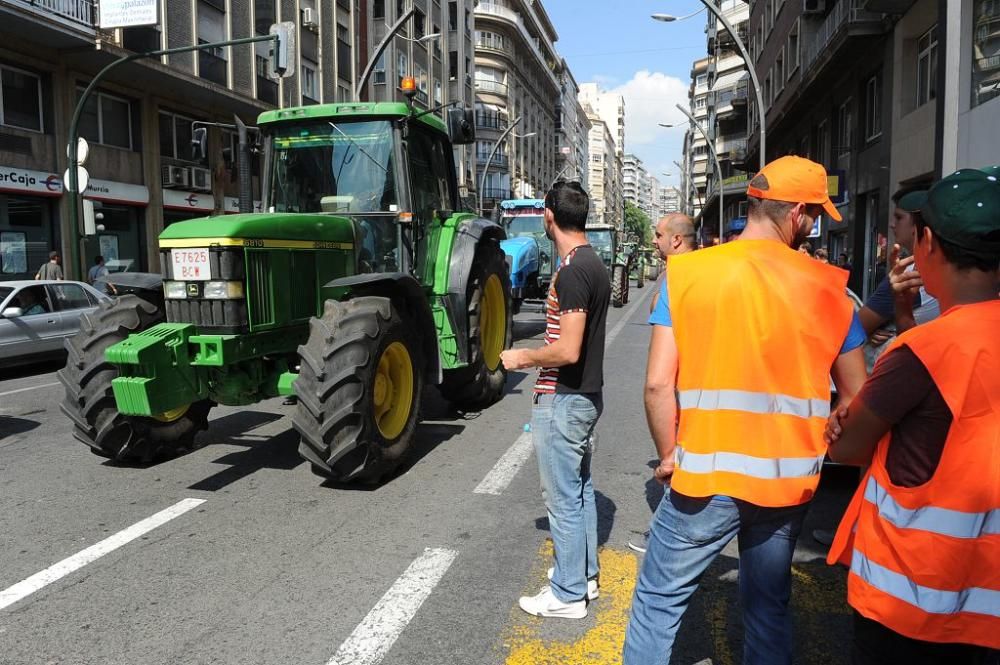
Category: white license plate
<point>191,265</point>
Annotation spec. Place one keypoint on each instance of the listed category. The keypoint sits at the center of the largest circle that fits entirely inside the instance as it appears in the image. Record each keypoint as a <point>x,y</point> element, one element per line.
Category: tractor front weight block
<point>155,372</point>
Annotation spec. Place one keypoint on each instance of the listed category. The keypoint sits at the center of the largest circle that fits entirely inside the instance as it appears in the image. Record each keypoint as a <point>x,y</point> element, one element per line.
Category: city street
<point>236,553</point>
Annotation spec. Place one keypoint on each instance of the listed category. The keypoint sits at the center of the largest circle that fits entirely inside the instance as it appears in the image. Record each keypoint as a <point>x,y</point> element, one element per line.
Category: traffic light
<point>281,56</point>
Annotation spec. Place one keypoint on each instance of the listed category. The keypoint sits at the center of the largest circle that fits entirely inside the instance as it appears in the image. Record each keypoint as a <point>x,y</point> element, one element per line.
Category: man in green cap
<point>922,528</point>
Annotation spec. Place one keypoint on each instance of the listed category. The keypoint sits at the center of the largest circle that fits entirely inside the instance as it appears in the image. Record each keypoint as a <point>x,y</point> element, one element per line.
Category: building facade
<point>572,130</point>
<point>697,164</point>
<point>610,109</point>
<point>516,79</point>
<point>143,172</point>
<point>606,203</point>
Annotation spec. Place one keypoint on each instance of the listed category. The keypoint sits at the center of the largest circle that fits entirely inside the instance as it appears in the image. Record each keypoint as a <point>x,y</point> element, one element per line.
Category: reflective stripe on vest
<point>954,523</point>
<point>757,467</point>
<point>932,601</point>
<point>751,402</point>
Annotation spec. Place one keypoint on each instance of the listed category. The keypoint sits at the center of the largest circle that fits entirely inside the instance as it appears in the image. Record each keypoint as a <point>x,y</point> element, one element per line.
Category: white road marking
<point>274,428</point>
<point>371,640</point>
<point>11,595</point>
<point>626,316</point>
<point>506,468</point>
<point>24,390</point>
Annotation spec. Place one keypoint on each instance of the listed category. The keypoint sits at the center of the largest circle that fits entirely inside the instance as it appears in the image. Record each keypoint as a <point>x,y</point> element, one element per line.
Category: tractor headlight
<point>174,290</point>
<point>223,290</point>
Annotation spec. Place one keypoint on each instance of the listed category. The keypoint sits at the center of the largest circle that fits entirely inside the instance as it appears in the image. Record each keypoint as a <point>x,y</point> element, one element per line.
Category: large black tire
<point>479,385</point>
<point>619,286</point>
<point>336,412</point>
<point>90,402</point>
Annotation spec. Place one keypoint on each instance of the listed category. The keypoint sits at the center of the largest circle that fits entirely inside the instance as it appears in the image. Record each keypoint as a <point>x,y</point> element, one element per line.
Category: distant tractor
<point>359,285</point>
<point>530,252</point>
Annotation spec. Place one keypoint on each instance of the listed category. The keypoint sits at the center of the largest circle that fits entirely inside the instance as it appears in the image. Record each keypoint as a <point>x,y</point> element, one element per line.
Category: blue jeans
<point>685,537</point>
<point>562,428</point>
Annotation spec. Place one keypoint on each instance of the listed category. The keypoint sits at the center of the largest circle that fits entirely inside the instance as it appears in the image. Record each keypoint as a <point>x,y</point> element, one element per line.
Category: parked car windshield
<point>343,167</point>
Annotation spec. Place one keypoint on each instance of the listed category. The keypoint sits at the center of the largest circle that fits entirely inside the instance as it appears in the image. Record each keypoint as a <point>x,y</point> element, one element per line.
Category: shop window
<point>107,120</point>
<point>20,99</point>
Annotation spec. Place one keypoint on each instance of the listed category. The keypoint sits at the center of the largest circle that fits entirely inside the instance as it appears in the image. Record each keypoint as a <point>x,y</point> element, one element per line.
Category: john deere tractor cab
<point>360,284</point>
<point>603,238</point>
<point>530,252</point>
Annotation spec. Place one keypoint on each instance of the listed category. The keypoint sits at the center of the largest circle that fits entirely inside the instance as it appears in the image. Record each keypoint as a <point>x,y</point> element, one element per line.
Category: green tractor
<point>621,267</point>
<point>359,285</point>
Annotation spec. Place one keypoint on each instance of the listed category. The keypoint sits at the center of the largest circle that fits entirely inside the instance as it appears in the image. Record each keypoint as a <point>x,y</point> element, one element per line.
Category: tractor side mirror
<point>461,126</point>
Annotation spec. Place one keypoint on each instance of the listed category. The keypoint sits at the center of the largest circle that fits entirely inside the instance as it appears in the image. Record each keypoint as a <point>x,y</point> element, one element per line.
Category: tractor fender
<point>524,259</point>
<point>145,285</point>
<point>468,235</point>
<point>409,297</point>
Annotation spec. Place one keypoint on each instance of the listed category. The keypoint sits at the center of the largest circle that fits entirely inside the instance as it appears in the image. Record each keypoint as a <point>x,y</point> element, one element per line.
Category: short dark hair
<point>53,255</point>
<point>569,204</point>
<point>98,259</point>
<point>960,257</point>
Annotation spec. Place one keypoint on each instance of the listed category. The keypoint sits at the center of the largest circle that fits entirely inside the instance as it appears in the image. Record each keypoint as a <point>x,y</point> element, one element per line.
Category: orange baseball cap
<point>795,180</point>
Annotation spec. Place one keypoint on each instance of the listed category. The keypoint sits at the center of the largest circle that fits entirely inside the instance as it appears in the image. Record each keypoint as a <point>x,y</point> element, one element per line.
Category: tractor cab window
<point>524,225</point>
<point>342,167</point>
<point>428,174</point>
<point>601,242</point>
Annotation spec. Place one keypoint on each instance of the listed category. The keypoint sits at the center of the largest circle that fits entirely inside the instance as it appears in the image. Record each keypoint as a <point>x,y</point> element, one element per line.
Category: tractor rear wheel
<point>490,330</point>
<point>619,286</point>
<point>359,388</point>
<point>90,402</point>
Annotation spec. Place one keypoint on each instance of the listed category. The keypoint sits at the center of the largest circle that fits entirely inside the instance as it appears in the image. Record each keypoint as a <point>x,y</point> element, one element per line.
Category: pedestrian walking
<point>51,269</point>
<point>97,270</point>
<point>674,235</point>
<point>739,341</point>
<point>822,255</point>
<point>567,403</point>
<point>921,534</point>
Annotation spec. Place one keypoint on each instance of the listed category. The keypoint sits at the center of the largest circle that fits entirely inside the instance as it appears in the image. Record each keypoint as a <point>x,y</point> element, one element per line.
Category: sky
<point>616,44</point>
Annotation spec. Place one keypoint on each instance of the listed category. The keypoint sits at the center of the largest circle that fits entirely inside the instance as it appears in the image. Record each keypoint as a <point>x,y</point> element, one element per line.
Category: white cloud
<point>651,98</point>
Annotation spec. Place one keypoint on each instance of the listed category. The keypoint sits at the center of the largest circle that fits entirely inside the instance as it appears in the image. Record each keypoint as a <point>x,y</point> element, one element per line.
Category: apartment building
<point>610,108</point>
<point>517,79</point>
<point>143,172</point>
<point>572,130</point>
<point>697,164</point>
<point>603,174</point>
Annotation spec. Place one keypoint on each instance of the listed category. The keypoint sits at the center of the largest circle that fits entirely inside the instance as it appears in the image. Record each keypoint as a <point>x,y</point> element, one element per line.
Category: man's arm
<point>849,374</point>
<point>563,351</point>
<point>660,396</point>
<point>871,320</point>
<point>852,434</point>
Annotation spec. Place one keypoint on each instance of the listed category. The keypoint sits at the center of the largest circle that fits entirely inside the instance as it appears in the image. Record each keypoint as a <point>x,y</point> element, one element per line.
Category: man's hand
<point>834,425</point>
<point>881,336</point>
<point>515,359</point>
<point>905,284</point>
<point>664,471</point>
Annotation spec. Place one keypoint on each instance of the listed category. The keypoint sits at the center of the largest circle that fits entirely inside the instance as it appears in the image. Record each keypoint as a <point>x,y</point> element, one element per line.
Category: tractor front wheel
<point>359,388</point>
<point>490,329</point>
<point>90,402</point>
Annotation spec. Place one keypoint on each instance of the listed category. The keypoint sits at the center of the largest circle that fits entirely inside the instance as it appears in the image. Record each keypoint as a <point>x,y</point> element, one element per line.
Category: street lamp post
<point>746,60</point>
<point>715,160</point>
<point>486,167</point>
<point>520,158</point>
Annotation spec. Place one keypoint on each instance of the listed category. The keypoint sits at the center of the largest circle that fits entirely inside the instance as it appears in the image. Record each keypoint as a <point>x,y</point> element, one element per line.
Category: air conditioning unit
<point>813,6</point>
<point>174,176</point>
<point>310,20</point>
<point>201,179</point>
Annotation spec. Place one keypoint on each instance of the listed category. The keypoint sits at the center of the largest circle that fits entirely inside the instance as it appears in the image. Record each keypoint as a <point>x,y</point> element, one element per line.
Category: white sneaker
<point>545,604</point>
<point>593,592</point>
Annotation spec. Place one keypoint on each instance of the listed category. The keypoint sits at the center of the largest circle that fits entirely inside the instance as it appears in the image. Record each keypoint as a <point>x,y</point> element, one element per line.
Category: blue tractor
<point>529,251</point>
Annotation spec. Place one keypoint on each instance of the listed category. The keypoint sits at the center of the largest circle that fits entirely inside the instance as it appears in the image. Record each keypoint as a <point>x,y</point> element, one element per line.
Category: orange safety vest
<point>758,327</point>
<point>925,561</point>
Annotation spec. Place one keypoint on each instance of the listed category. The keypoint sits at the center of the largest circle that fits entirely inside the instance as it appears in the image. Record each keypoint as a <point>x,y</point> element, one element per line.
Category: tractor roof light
<point>409,86</point>
<point>405,218</point>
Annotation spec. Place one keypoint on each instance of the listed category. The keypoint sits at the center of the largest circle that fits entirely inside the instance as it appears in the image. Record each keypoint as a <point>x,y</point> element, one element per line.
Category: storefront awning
<point>729,79</point>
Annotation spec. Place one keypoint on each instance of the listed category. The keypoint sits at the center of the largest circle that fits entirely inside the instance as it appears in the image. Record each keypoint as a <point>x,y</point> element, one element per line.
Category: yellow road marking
<point>601,644</point>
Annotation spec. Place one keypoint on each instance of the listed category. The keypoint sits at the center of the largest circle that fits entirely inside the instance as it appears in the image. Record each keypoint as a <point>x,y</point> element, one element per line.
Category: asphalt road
<point>236,553</point>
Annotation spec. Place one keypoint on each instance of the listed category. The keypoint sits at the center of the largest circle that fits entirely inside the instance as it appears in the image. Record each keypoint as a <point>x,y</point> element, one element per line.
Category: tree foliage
<point>637,223</point>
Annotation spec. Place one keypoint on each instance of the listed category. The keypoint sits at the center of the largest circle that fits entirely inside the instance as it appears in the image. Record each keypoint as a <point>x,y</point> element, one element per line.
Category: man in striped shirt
<point>567,403</point>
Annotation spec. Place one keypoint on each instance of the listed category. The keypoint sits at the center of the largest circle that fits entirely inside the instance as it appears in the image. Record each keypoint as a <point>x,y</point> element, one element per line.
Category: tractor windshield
<point>601,242</point>
<point>524,225</point>
<point>343,167</point>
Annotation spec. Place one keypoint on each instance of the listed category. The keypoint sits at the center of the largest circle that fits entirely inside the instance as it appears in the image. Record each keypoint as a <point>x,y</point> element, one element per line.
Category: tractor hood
<point>321,231</point>
<point>523,253</point>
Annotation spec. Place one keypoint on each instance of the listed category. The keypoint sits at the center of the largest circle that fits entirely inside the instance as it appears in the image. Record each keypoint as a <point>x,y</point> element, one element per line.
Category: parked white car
<point>36,316</point>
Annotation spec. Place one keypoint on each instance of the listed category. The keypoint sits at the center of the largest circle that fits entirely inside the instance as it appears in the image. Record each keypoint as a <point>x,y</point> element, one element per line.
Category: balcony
<point>509,15</point>
<point>491,121</point>
<point>732,103</point>
<point>56,23</point>
<point>491,87</point>
<point>498,161</point>
<point>725,146</point>
<point>847,19</point>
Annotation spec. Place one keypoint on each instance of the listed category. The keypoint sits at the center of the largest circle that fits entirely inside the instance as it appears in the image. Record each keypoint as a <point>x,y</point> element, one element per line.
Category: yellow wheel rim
<point>392,393</point>
<point>492,322</point>
<point>172,414</point>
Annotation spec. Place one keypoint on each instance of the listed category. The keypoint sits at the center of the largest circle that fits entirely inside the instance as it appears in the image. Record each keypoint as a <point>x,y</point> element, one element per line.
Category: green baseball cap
<point>913,201</point>
<point>964,209</point>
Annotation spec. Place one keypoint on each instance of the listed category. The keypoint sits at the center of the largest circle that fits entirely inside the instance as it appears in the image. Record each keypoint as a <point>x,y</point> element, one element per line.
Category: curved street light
<point>747,61</point>
<point>715,160</point>
<point>670,18</point>
<point>486,167</point>
<point>382,45</point>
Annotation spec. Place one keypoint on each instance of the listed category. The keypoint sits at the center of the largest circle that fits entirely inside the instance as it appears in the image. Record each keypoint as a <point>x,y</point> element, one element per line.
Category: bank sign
<point>41,183</point>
